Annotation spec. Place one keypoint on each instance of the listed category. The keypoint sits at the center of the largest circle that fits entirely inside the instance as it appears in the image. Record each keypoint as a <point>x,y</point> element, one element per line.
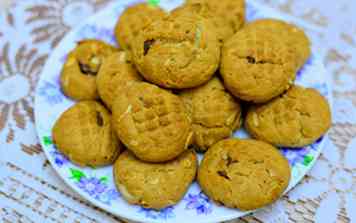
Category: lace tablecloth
<point>30,190</point>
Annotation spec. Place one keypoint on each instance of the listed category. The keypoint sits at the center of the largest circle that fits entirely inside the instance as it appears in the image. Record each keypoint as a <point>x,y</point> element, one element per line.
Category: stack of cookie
<point>175,88</point>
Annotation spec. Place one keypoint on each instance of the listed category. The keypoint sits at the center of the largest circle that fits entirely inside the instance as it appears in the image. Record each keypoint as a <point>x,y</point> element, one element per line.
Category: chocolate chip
<point>85,69</point>
<point>223,173</point>
<point>99,119</point>
<point>251,60</point>
<point>147,45</point>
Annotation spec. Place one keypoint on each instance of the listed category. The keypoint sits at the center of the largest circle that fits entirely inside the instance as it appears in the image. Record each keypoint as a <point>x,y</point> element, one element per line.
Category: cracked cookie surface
<point>244,174</point>
<point>295,119</point>
<point>290,33</point>
<point>85,135</point>
<point>116,72</point>
<point>78,76</point>
<point>232,11</point>
<point>256,66</point>
<point>133,20</point>
<point>214,112</point>
<point>154,185</point>
<point>152,122</point>
<point>177,52</point>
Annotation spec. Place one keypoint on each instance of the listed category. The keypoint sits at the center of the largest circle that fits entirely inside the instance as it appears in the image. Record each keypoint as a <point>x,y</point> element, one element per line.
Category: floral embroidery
<point>200,202</point>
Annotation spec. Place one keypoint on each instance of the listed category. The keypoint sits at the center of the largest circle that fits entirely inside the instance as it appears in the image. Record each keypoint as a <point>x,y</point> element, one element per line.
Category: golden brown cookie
<point>133,20</point>
<point>214,112</point>
<point>232,11</point>
<point>296,119</point>
<point>243,174</point>
<point>154,185</point>
<point>85,135</point>
<point>116,71</point>
<point>286,32</point>
<point>223,29</point>
<point>256,66</point>
<point>78,77</point>
<point>177,52</point>
<point>152,122</point>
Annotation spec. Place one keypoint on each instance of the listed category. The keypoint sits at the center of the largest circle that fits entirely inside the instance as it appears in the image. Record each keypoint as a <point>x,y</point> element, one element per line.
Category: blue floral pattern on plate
<point>50,103</point>
<point>199,202</point>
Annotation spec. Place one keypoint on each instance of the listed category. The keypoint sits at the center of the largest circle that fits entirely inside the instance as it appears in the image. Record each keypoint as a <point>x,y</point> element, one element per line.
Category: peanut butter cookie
<point>296,119</point>
<point>243,174</point>
<point>152,122</point>
<point>116,71</point>
<point>177,52</point>
<point>214,112</point>
<point>78,77</point>
<point>85,135</point>
<point>154,185</point>
<point>133,20</point>
<point>256,66</point>
<point>223,29</point>
<point>286,32</point>
<point>232,11</point>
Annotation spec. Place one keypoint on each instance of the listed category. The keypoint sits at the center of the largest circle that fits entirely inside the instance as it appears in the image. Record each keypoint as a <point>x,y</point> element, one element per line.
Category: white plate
<point>96,185</point>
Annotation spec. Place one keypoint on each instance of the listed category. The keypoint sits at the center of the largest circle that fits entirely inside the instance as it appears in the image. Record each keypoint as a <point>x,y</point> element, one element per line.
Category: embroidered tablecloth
<point>30,190</point>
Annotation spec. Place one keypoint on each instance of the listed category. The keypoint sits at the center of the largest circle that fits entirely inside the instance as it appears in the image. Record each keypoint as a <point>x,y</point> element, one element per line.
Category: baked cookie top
<point>296,119</point>
<point>256,66</point>
<point>244,174</point>
<point>290,33</point>
<point>154,185</point>
<point>199,10</point>
<point>152,122</point>
<point>116,72</point>
<point>78,77</point>
<point>177,52</point>
<point>85,135</point>
<point>233,12</point>
<point>214,112</point>
<point>133,20</point>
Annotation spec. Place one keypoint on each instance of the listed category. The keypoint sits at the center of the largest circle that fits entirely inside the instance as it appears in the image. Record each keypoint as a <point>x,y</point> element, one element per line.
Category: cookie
<point>232,11</point>
<point>287,32</point>
<point>85,135</point>
<point>243,174</point>
<point>152,122</point>
<point>133,20</point>
<point>256,66</point>
<point>154,185</point>
<point>214,112</point>
<point>177,52</point>
<point>296,119</point>
<point>78,77</point>
<point>223,29</point>
<point>116,71</point>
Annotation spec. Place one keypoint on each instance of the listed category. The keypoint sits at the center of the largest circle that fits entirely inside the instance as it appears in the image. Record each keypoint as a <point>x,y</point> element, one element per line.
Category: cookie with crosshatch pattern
<point>257,66</point>
<point>78,76</point>
<point>296,119</point>
<point>244,174</point>
<point>85,135</point>
<point>133,20</point>
<point>154,185</point>
<point>152,122</point>
<point>215,113</point>
<point>116,71</point>
<point>177,52</point>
